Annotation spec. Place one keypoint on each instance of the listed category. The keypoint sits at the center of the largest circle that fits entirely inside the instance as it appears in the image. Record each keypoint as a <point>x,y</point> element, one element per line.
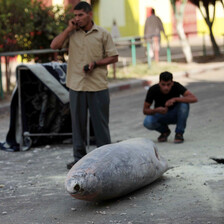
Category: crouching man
<point>171,106</point>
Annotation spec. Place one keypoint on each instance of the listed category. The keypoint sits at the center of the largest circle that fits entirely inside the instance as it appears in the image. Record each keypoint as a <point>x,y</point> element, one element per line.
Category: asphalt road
<point>32,183</point>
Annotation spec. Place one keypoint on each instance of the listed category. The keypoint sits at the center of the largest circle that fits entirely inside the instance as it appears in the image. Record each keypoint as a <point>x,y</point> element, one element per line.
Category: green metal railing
<point>168,52</point>
<point>138,40</point>
<point>132,42</point>
<point>133,51</point>
<point>148,54</point>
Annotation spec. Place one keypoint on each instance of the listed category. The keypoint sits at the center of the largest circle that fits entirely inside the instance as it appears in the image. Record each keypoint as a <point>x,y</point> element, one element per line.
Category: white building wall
<point>110,10</point>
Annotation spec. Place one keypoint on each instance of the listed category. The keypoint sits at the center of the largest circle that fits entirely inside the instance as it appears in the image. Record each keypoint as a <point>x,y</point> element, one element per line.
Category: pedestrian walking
<point>153,28</point>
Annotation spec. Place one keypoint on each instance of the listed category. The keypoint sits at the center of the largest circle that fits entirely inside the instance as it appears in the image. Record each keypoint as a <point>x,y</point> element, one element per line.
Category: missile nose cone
<point>73,186</point>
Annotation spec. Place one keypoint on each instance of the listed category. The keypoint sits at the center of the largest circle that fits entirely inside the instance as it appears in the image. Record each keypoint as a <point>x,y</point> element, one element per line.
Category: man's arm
<point>59,40</point>
<point>149,111</point>
<point>188,97</point>
<point>107,61</point>
<point>161,27</point>
<point>146,28</point>
<point>104,61</point>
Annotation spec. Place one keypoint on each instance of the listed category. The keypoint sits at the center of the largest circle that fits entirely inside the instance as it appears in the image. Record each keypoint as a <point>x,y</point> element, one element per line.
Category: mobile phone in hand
<point>86,68</point>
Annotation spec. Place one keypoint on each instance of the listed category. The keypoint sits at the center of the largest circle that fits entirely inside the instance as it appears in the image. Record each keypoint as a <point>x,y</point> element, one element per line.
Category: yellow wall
<point>217,27</point>
<point>132,18</point>
<point>96,12</point>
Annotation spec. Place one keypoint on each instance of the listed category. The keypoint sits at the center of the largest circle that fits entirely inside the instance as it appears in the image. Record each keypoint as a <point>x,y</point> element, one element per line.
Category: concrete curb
<point>128,85</point>
<point>116,87</point>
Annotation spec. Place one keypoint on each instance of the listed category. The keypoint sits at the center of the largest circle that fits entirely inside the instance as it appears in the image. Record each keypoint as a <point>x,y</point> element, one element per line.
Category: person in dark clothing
<point>171,106</point>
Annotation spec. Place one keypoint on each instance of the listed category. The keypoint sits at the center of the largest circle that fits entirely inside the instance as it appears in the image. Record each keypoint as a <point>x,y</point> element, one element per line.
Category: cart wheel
<point>27,143</point>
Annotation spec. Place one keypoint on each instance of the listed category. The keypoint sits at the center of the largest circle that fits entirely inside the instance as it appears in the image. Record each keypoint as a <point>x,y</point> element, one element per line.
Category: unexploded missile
<point>116,169</point>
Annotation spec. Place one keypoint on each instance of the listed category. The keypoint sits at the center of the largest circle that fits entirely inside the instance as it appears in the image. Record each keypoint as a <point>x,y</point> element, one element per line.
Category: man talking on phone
<point>91,49</point>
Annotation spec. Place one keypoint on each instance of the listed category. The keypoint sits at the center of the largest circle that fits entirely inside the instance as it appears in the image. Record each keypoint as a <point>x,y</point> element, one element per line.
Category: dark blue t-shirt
<point>155,95</point>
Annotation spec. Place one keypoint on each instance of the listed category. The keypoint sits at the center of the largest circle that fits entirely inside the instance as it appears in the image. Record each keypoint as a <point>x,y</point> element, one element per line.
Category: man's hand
<point>170,102</point>
<point>188,97</point>
<point>58,41</point>
<point>161,110</point>
<point>72,25</point>
<point>89,67</point>
<point>148,111</point>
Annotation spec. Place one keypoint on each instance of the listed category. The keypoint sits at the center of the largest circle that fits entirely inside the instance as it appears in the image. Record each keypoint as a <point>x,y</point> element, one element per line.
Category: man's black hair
<point>153,11</point>
<point>86,7</point>
<point>166,76</point>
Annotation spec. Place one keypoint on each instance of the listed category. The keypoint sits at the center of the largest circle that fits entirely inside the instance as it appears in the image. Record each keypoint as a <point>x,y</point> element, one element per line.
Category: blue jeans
<point>159,122</point>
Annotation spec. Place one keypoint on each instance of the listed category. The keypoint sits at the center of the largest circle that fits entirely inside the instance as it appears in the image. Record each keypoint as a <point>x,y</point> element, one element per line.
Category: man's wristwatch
<point>94,65</point>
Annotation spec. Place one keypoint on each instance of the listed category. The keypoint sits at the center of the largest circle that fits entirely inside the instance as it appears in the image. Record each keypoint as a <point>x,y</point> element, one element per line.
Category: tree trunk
<point>179,14</point>
<point>186,48</point>
<point>210,23</point>
<point>214,44</point>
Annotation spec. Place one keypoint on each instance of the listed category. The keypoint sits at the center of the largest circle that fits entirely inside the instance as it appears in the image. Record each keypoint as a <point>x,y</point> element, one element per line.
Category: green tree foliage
<point>28,25</point>
<point>13,23</point>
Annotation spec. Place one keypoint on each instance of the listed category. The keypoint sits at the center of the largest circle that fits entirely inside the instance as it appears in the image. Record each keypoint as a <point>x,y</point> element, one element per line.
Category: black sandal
<point>163,137</point>
<point>178,138</point>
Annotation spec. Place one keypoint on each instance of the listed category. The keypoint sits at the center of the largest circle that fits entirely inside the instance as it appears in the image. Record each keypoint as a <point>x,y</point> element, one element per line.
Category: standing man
<point>115,33</point>
<point>169,107</point>
<point>91,49</point>
<point>153,27</point>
